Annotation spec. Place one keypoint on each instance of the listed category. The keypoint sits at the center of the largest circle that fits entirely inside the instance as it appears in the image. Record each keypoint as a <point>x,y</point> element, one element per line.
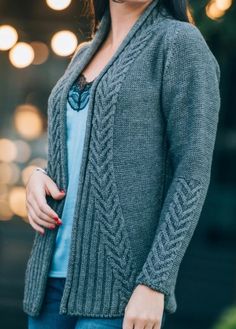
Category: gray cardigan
<point>146,165</point>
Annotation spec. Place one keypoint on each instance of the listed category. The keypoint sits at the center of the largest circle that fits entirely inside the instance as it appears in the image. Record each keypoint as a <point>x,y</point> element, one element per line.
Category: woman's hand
<point>39,212</point>
<point>144,309</point>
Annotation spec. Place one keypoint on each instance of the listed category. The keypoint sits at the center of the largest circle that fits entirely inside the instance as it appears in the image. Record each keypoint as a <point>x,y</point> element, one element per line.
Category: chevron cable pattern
<point>172,232</point>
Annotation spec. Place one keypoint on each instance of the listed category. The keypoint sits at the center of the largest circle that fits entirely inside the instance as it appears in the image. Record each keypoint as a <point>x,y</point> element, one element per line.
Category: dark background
<point>206,284</point>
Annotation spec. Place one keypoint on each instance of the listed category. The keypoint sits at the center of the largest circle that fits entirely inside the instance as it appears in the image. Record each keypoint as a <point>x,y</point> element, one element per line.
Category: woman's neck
<point>123,16</point>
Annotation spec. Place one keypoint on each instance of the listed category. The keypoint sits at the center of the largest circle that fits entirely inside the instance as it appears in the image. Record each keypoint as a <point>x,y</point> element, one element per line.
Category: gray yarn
<point>146,166</point>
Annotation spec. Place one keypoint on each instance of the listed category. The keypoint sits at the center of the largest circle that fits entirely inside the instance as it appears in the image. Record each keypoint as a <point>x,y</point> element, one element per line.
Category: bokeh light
<point>64,43</point>
<point>15,173</point>
<point>9,173</point>
<point>5,211</point>
<point>8,150</point>
<point>3,191</point>
<point>17,200</point>
<point>216,8</point>
<point>23,151</point>
<point>41,52</point>
<point>28,121</point>
<point>21,55</point>
<point>58,4</point>
<point>223,4</point>
<point>8,37</point>
<point>213,11</point>
<point>5,173</point>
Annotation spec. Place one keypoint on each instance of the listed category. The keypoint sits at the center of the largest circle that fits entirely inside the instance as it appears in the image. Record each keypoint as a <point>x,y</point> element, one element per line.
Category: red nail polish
<point>57,220</point>
<point>62,191</point>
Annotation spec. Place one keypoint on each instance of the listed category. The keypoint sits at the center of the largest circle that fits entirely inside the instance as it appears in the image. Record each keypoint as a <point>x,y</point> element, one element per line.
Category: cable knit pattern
<point>145,170</point>
<point>178,219</point>
<point>112,224</point>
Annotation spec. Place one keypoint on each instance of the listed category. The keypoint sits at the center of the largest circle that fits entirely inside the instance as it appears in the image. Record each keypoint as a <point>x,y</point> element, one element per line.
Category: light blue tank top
<point>76,113</point>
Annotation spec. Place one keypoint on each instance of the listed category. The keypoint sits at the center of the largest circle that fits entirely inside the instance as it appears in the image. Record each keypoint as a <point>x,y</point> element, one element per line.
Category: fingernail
<point>51,227</point>
<point>62,191</point>
<point>42,233</point>
<point>58,221</point>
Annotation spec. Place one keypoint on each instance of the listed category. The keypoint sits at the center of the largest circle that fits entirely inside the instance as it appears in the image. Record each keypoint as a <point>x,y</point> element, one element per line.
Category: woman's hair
<point>179,9</point>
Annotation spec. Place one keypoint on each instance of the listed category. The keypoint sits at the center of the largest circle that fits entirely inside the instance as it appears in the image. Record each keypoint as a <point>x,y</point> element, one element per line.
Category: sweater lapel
<point>78,68</point>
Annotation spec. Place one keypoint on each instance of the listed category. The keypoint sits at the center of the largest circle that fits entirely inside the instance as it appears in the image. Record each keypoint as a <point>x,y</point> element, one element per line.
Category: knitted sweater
<point>145,171</point>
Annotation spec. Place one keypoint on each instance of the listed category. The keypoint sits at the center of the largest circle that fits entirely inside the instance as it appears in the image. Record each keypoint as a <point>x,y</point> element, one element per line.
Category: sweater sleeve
<point>190,103</point>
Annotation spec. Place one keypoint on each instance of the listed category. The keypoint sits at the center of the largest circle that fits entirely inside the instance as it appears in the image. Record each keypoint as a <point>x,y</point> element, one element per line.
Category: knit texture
<point>145,171</point>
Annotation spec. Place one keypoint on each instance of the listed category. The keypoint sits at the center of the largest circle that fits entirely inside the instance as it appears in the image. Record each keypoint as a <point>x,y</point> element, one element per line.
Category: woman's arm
<point>191,104</point>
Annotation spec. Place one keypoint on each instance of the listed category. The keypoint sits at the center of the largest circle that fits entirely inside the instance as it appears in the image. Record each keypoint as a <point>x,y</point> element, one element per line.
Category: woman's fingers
<point>157,326</point>
<point>34,225</point>
<point>128,322</point>
<point>42,209</point>
<point>140,322</point>
<point>40,213</point>
<point>151,326</point>
<point>52,189</point>
<point>37,220</point>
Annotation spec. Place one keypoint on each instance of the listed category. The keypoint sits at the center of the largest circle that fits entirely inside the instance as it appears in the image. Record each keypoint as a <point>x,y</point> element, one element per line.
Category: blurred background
<point>37,40</point>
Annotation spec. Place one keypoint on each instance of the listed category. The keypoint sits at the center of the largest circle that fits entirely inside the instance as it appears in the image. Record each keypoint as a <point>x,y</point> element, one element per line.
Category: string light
<point>58,4</point>
<point>21,55</point>
<point>64,43</point>
<point>8,37</point>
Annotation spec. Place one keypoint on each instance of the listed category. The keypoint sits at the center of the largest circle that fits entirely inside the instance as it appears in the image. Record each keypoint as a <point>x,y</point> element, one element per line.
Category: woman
<point>131,132</point>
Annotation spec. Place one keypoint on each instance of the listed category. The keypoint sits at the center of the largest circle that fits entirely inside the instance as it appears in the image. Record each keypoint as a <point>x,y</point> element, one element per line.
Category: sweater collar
<point>99,37</point>
<point>82,61</point>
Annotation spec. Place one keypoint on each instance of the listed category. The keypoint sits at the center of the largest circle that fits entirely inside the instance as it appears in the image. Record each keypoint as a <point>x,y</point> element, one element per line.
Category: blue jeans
<point>50,318</point>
